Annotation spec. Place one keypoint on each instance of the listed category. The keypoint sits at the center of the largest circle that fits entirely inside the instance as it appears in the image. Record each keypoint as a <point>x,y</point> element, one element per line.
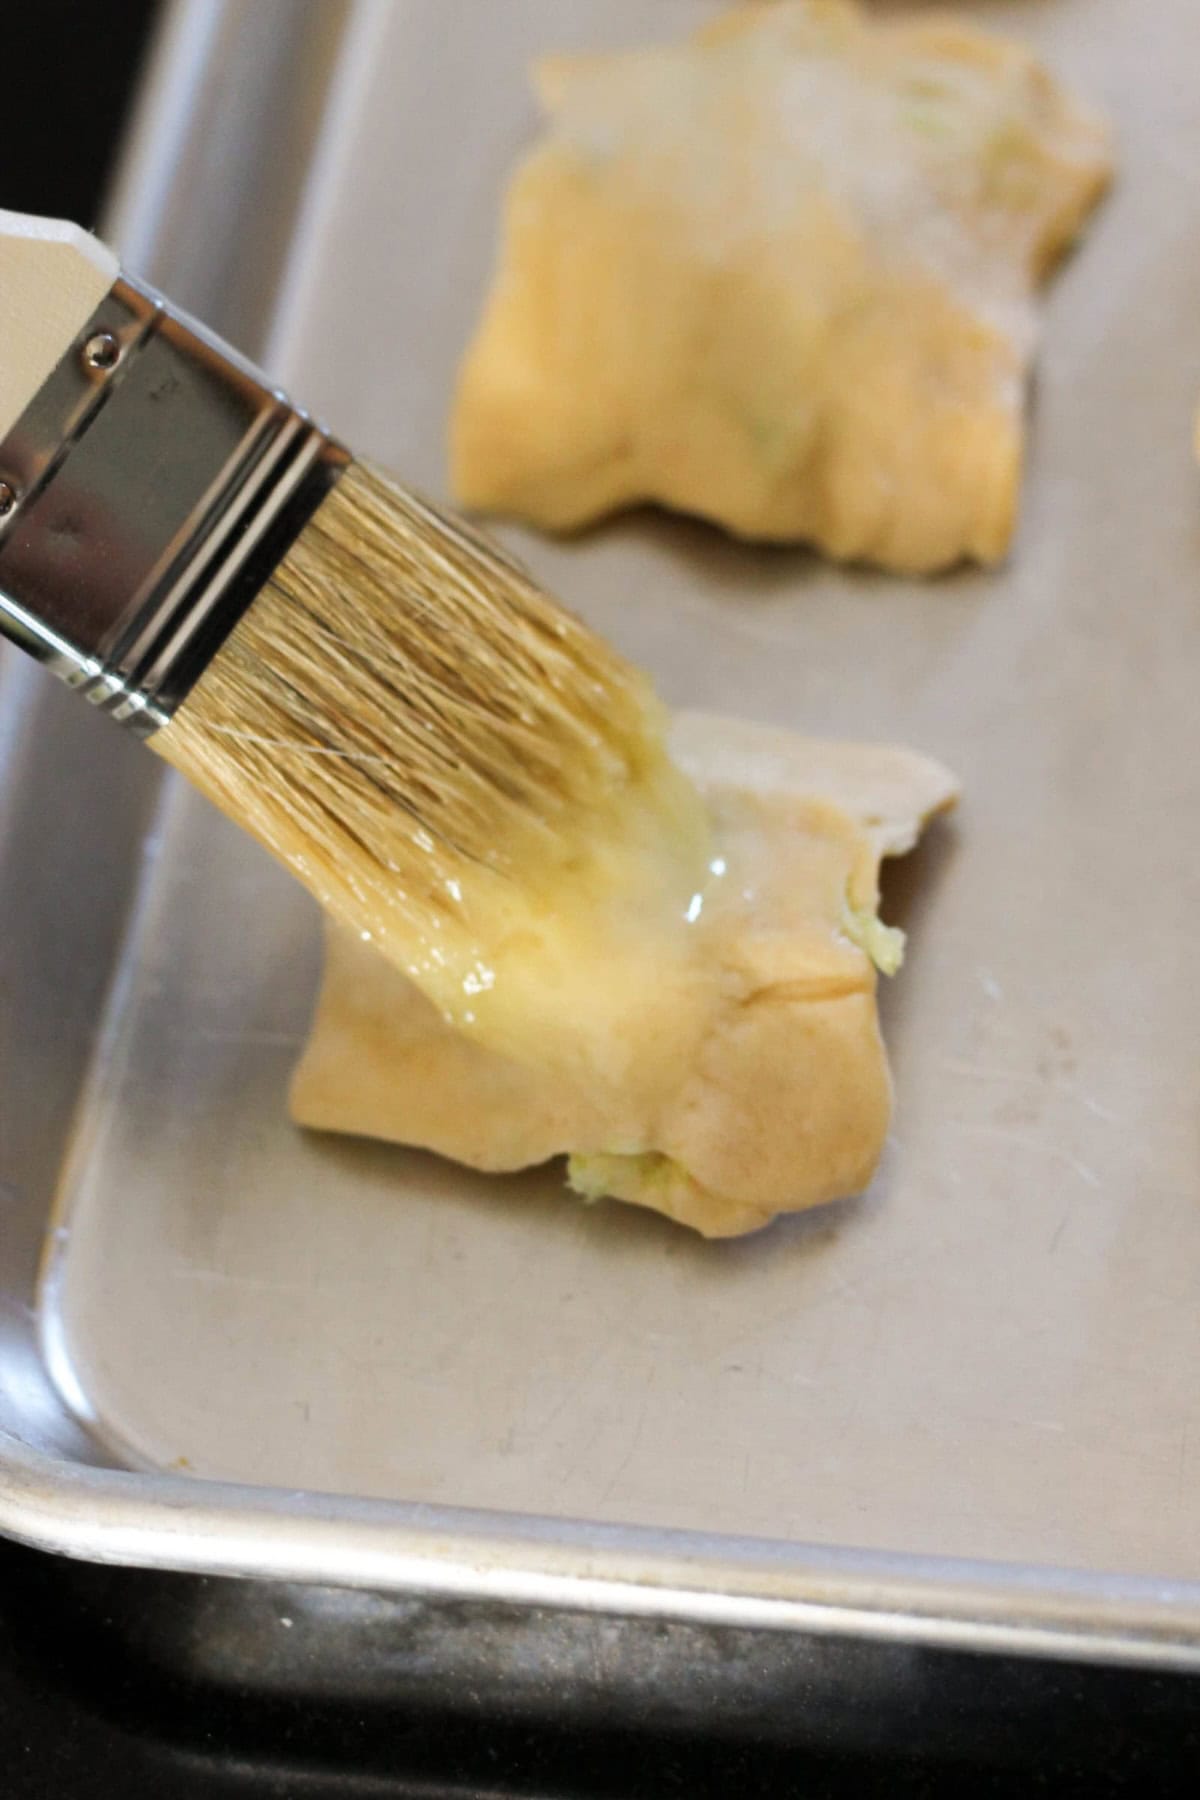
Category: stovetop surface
<point>122,1683</point>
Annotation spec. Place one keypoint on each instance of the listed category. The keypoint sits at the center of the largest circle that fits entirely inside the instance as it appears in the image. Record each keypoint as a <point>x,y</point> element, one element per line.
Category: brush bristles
<point>402,710</point>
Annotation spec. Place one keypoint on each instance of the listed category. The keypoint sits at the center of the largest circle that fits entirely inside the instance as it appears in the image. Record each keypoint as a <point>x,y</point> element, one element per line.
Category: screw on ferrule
<point>101,352</point>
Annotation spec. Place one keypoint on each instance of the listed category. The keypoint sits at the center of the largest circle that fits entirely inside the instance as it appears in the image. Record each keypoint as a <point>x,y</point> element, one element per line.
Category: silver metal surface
<point>102,351</point>
<point>963,1409</point>
<point>158,479</point>
<point>216,165</point>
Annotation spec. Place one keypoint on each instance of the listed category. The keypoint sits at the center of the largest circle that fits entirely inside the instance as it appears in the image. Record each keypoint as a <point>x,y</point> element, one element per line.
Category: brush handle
<point>53,276</point>
<point>150,482</point>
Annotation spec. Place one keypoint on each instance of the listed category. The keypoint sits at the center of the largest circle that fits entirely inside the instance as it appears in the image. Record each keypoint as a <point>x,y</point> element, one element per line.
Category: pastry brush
<point>378,694</point>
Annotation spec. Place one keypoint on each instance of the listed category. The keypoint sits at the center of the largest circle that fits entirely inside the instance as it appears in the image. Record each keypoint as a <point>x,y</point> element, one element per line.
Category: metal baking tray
<point>962,1409</point>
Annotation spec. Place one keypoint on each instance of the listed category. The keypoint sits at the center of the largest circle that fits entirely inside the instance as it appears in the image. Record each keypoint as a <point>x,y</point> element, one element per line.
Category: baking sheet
<point>993,1353</point>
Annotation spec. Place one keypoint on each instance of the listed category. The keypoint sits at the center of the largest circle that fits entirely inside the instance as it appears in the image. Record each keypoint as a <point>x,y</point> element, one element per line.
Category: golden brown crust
<point>784,1099</point>
<point>780,276</point>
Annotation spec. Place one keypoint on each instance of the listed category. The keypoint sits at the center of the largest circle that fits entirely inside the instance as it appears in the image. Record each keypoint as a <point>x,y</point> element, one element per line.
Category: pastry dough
<point>756,1081</point>
<point>781,276</point>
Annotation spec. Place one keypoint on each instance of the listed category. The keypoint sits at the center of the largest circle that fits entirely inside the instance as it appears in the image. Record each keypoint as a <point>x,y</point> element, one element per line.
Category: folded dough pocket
<point>782,276</point>
<point>755,1080</point>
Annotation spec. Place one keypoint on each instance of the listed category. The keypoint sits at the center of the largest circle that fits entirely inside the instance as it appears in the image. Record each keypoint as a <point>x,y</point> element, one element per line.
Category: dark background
<point>102,1692</point>
<point>68,68</point>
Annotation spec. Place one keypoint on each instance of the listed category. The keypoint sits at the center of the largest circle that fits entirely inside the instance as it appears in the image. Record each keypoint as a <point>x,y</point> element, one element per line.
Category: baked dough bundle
<point>756,1081</point>
<point>782,276</point>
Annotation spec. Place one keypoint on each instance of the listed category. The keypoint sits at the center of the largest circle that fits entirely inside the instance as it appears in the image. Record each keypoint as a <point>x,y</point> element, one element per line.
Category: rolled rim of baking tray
<point>219,1528</point>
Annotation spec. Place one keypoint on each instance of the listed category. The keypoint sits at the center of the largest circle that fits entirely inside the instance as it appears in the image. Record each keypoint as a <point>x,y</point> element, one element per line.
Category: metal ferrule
<point>146,494</point>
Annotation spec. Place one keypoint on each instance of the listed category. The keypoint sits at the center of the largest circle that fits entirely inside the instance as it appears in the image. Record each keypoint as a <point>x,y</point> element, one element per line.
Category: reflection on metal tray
<point>963,1408</point>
